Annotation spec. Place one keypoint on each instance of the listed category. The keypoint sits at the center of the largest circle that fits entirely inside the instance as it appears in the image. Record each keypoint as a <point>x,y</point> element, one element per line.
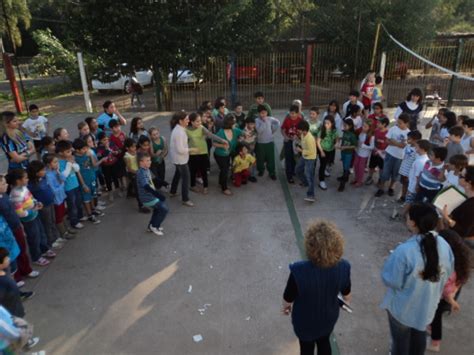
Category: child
<point>49,146</point>
<point>396,138</point>
<point>378,154</point>
<point>93,127</point>
<point>109,155</point>
<point>117,139</point>
<point>131,165</point>
<point>326,143</point>
<point>266,127</point>
<point>259,100</point>
<point>333,110</point>
<point>89,140</point>
<point>149,196</point>
<point>377,95</point>
<point>355,113</point>
<point>241,165</point>
<point>239,115</point>
<point>305,167</point>
<point>60,134</point>
<point>364,149</point>
<point>407,162</point>
<point>43,193</point>
<point>314,122</point>
<point>36,127</point>
<point>137,129</point>
<point>56,181</point>
<point>289,132</point>
<point>10,295</point>
<point>377,115</point>
<point>84,129</point>
<point>367,91</point>
<point>422,147</point>
<point>450,122</point>
<point>27,209</point>
<point>353,100</point>
<point>211,127</point>
<point>347,147</point>
<point>435,124</point>
<point>83,158</point>
<point>430,178</point>
<point>7,210</point>
<point>457,164</point>
<point>159,151</point>
<point>70,171</point>
<point>220,115</point>
<point>467,141</point>
<point>249,138</point>
<point>454,146</point>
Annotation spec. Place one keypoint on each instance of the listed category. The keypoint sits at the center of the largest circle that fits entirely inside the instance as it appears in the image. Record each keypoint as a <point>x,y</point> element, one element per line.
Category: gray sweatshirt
<point>266,129</point>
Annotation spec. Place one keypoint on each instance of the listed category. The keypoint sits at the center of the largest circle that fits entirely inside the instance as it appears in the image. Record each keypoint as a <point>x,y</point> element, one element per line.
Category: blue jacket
<point>316,308</point>
<point>411,300</point>
<point>146,190</point>
<point>8,212</point>
<point>42,192</point>
<point>7,240</point>
<point>55,181</point>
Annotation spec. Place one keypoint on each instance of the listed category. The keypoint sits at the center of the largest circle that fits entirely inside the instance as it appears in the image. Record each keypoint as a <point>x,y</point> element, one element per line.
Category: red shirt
<point>118,141</point>
<point>289,126</point>
<point>367,89</point>
<point>380,139</point>
<point>375,119</point>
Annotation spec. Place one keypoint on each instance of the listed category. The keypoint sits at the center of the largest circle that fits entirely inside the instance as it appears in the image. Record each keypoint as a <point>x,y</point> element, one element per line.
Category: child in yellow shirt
<point>305,166</point>
<point>242,164</point>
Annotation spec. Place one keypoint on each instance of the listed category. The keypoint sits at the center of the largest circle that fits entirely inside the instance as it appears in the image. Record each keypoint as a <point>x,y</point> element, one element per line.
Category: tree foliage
<point>13,14</point>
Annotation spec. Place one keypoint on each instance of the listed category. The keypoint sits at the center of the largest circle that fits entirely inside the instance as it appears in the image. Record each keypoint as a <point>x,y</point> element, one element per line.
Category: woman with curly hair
<point>451,290</point>
<point>311,294</point>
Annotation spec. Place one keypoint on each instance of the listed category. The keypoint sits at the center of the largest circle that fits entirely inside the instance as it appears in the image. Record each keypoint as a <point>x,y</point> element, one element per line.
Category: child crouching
<point>242,164</point>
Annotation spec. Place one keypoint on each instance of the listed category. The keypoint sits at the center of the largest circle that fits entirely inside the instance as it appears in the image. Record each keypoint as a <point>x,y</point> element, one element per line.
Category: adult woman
<point>415,275</point>
<point>179,153</point>
<point>313,286</point>
<point>223,152</point>
<point>17,146</point>
<point>412,106</point>
<point>460,218</point>
<point>110,113</point>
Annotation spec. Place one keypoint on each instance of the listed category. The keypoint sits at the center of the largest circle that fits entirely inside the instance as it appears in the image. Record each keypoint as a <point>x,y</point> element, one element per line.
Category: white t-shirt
<point>344,106</point>
<point>415,171</point>
<point>466,142</point>
<point>452,180</point>
<point>364,150</point>
<point>37,126</point>
<point>400,136</point>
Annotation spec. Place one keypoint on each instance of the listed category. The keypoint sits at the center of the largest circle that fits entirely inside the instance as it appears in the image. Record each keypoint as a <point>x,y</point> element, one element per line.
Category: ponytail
<point>426,218</point>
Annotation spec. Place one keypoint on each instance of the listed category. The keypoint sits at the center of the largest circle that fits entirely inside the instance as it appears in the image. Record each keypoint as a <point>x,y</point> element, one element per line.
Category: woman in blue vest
<point>412,106</point>
<point>311,294</point>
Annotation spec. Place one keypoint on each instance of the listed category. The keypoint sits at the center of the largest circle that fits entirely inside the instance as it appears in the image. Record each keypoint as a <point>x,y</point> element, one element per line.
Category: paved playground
<point>219,271</point>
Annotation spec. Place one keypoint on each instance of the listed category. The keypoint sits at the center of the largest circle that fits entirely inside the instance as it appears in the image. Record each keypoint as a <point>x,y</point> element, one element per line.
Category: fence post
<point>7,64</point>
<point>85,87</point>
<point>233,81</point>
<point>456,69</point>
<point>307,87</point>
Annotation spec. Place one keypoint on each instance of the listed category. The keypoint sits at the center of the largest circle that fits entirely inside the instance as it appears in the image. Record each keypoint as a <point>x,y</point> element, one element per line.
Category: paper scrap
<point>197,338</point>
<point>248,318</point>
<point>190,288</point>
<point>211,267</point>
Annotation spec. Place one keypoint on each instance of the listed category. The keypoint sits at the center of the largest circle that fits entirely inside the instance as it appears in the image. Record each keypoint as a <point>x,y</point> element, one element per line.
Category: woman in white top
<point>412,106</point>
<point>179,153</point>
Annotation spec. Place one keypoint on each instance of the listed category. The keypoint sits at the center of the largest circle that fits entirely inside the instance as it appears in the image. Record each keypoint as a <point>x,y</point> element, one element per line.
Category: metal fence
<point>321,74</point>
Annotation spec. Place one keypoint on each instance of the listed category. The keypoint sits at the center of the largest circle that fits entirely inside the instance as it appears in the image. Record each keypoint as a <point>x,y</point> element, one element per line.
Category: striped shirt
<point>408,159</point>
<point>429,178</point>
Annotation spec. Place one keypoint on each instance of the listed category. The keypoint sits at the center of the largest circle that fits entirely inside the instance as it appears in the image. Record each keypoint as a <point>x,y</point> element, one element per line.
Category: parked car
<point>184,76</point>
<point>117,79</point>
<point>243,72</point>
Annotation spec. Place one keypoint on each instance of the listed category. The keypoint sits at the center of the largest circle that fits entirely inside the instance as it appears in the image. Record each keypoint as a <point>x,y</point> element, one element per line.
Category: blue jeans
<point>181,173</point>
<point>406,340</point>
<point>74,205</point>
<point>305,172</point>
<point>391,167</point>
<point>36,238</point>
<point>346,159</point>
<point>290,162</point>
<point>160,210</point>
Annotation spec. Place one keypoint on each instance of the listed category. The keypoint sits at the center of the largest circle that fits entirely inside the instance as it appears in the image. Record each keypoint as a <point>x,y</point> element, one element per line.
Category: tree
<point>167,35</point>
<point>13,14</point>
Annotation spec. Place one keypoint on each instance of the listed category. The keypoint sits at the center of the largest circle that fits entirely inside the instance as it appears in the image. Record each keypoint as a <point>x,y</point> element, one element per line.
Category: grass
<point>38,92</point>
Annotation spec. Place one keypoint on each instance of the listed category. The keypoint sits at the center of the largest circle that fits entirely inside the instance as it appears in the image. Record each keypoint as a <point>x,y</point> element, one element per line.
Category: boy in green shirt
<point>259,100</point>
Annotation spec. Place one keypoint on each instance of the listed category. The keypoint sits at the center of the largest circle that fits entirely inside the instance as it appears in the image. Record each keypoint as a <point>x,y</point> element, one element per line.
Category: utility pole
<point>85,87</point>
<point>356,60</point>
<point>376,44</point>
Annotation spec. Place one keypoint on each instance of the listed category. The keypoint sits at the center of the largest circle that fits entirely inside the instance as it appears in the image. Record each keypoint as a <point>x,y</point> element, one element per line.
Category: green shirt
<point>253,112</point>
<point>157,147</point>
<point>222,152</point>
<point>348,139</point>
<point>314,128</point>
<point>197,139</point>
<point>329,140</point>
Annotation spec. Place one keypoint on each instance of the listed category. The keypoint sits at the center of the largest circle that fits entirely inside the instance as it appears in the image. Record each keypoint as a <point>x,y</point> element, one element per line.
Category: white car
<point>120,81</point>
<point>185,76</point>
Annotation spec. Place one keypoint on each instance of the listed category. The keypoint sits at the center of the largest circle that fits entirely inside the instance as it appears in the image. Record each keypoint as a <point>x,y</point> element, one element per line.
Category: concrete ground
<point>116,289</point>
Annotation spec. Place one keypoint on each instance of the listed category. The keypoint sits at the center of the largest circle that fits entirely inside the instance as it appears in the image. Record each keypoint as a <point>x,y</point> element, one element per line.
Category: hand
<point>286,309</point>
<point>323,154</point>
<point>445,212</point>
<point>38,206</point>
<point>227,145</point>
<point>455,307</point>
<point>193,150</point>
<point>86,189</point>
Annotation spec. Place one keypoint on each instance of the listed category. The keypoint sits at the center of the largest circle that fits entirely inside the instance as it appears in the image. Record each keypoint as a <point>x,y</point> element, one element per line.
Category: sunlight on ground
<point>120,316</point>
<point>289,348</point>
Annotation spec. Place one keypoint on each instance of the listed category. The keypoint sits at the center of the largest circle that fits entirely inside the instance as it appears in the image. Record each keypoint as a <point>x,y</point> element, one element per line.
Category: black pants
<point>132,188</point>
<point>181,173</point>
<point>198,163</point>
<point>159,170</point>
<point>437,323</point>
<point>323,344</point>
<point>323,163</point>
<point>224,164</point>
<point>111,175</point>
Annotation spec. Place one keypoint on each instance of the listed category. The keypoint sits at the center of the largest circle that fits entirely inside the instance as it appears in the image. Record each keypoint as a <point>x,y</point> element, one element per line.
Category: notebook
<point>471,160</point>
<point>451,197</point>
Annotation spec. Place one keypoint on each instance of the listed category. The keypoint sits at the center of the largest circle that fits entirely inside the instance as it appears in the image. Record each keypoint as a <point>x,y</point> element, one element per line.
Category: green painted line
<point>295,221</point>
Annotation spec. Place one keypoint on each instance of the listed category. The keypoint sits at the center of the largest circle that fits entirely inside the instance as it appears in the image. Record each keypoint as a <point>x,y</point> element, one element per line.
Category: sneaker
<point>50,254</point>
<point>433,347</point>
<point>195,189</point>
<point>32,342</point>
<point>144,209</point>
<point>252,179</point>
<point>83,219</point>
<point>57,245</point>
<point>79,225</point>
<point>351,171</point>
<point>327,173</point>
<point>379,193</point>
<point>310,199</point>
<point>98,213</point>
<point>94,220</point>
<point>391,192</point>
<point>273,177</point>
<point>227,192</point>
<point>188,203</point>
<point>322,185</point>
<point>69,235</point>
<point>99,208</point>
<point>199,181</point>
<point>26,295</point>
<point>71,231</point>
<point>154,230</point>
<point>61,240</point>
<point>401,199</point>
<point>101,203</point>
<point>34,274</point>
<point>20,284</point>
<point>369,180</point>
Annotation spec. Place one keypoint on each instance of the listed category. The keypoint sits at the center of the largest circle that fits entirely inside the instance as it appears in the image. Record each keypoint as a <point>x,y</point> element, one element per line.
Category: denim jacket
<point>411,300</point>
